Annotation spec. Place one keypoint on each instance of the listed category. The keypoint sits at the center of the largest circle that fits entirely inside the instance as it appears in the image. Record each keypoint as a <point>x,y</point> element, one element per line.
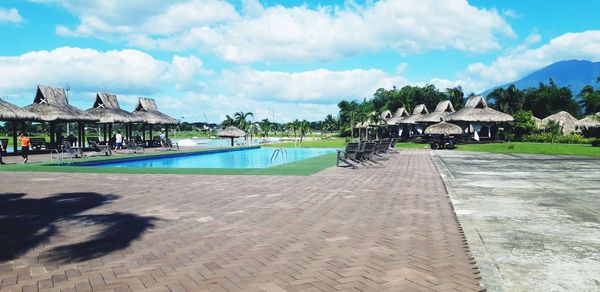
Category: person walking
<point>119,140</point>
<point>24,146</point>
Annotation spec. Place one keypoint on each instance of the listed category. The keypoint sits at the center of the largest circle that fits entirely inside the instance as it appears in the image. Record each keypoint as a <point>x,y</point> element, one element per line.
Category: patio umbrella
<point>444,128</point>
<point>231,132</point>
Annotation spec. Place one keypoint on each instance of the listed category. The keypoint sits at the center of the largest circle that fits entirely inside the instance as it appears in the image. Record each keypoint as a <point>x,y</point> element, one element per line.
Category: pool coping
<point>300,168</point>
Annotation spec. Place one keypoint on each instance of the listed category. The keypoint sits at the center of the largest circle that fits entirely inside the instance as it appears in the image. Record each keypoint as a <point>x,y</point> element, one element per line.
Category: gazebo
<point>590,127</point>
<point>13,113</point>
<point>147,111</point>
<point>566,121</point>
<point>411,121</point>
<point>51,105</point>
<point>477,118</point>
<point>108,112</point>
<point>442,109</point>
<point>231,132</point>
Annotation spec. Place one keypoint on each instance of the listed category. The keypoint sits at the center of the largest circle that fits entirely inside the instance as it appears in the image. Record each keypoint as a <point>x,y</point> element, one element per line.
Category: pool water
<point>248,158</point>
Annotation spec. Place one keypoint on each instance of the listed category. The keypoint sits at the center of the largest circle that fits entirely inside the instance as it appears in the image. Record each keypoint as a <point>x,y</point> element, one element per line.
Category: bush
<point>550,137</point>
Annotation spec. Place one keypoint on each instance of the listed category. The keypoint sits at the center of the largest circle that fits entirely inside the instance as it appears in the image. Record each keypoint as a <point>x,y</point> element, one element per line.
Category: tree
<point>241,119</point>
<point>227,122</point>
<point>330,124</point>
<point>265,127</point>
<point>456,96</point>
<point>509,100</point>
<point>590,99</point>
<point>303,127</point>
<point>523,124</point>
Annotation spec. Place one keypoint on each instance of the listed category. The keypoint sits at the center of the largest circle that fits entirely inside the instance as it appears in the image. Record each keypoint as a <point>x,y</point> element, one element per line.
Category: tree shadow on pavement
<point>26,223</point>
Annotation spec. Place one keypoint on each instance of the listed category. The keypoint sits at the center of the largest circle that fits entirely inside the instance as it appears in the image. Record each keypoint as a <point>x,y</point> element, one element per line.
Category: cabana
<point>442,109</point>
<point>410,122</point>
<point>590,127</point>
<point>15,114</point>
<point>51,105</point>
<point>108,112</point>
<point>400,114</point>
<point>566,121</point>
<point>147,111</point>
<point>477,118</point>
<point>443,128</point>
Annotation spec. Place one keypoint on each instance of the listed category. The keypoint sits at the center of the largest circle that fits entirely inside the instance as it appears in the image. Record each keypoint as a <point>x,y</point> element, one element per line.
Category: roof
<point>9,111</point>
<point>444,128</point>
<point>419,111</point>
<point>231,131</point>
<point>400,113</point>
<point>442,109</point>
<point>106,108</point>
<point>50,104</point>
<point>564,119</point>
<point>147,110</point>
<point>591,121</point>
<point>477,110</point>
<point>537,121</point>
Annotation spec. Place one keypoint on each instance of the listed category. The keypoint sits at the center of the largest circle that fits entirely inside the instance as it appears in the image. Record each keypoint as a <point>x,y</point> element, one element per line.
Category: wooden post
<point>105,126</point>
<point>167,131</point>
<point>144,132</point>
<point>150,130</point>
<point>83,135</point>
<point>14,134</point>
<point>52,133</point>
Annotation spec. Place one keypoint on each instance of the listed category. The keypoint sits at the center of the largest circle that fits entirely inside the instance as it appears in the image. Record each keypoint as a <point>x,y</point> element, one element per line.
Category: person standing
<point>24,146</point>
<point>119,140</point>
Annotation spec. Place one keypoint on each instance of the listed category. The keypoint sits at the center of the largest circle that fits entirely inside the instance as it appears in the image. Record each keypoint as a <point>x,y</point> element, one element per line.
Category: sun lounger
<point>167,144</point>
<point>133,147</point>
<point>348,155</point>
<point>366,155</point>
<point>65,154</point>
<point>105,149</point>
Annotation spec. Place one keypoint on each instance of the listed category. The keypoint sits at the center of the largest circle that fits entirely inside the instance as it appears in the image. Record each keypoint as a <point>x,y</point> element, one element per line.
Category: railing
<point>277,153</point>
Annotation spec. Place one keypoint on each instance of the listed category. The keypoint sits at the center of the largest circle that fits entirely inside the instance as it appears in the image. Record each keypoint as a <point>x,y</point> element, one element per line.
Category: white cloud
<point>88,70</point>
<point>299,33</point>
<point>511,67</point>
<point>317,86</point>
<point>10,15</point>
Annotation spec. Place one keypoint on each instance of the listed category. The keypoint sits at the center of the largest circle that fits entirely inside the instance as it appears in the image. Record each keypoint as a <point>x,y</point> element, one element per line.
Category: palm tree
<point>292,126</point>
<point>227,122</point>
<point>330,123</point>
<point>456,96</point>
<point>241,119</point>
<point>265,127</point>
<point>303,127</point>
<point>376,120</point>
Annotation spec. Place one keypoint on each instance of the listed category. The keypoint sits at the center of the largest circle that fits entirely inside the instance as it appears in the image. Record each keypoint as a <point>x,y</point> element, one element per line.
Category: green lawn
<point>534,148</point>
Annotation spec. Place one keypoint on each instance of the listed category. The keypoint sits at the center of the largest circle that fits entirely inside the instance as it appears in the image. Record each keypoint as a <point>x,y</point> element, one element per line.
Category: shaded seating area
<point>147,111</point>
<point>410,128</point>
<point>477,121</point>
<point>107,110</point>
<point>443,135</point>
<point>16,115</point>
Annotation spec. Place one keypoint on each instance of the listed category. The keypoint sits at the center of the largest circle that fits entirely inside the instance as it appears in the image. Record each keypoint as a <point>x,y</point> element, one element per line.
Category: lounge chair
<point>65,153</point>
<point>366,155</point>
<point>348,155</point>
<point>167,144</point>
<point>381,150</point>
<point>100,148</point>
<point>133,147</point>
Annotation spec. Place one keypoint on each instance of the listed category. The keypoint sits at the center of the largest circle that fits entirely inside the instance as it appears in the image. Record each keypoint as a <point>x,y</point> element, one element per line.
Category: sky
<point>282,60</point>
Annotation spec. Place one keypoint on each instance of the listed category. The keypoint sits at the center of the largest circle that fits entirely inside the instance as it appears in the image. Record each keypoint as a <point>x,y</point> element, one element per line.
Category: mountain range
<point>572,73</point>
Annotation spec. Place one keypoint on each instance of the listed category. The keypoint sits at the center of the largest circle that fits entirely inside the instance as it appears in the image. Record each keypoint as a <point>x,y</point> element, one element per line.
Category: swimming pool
<point>230,158</point>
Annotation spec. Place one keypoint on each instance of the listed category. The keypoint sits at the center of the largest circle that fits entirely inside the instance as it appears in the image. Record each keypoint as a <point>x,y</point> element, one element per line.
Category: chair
<point>133,147</point>
<point>66,152</point>
<point>348,155</point>
<point>167,144</point>
<point>4,143</point>
<point>366,155</point>
<point>100,148</point>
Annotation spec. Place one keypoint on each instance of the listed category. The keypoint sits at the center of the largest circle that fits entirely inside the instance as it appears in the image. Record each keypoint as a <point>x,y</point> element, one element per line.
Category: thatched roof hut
<point>231,132</point>
<point>50,104</point>
<point>400,113</point>
<point>442,109</point>
<point>566,121</point>
<point>9,111</point>
<point>444,128</point>
<point>477,110</point>
<point>419,111</point>
<point>147,111</point>
<point>538,122</point>
<point>591,121</point>
<point>107,110</point>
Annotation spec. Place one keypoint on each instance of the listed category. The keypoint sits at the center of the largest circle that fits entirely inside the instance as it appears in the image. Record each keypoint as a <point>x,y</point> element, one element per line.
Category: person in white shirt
<point>119,140</point>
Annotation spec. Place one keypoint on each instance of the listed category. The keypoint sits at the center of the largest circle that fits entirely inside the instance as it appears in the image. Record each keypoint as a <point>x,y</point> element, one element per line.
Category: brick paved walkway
<point>378,229</point>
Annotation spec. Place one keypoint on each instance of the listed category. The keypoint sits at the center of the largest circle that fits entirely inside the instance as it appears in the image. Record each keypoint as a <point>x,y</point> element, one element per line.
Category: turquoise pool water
<point>248,158</point>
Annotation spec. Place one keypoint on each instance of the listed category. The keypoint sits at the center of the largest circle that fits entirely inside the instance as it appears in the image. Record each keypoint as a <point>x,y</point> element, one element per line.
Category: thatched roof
<point>564,119</point>
<point>50,104</point>
<point>400,113</point>
<point>476,110</point>
<point>107,110</point>
<point>148,112</point>
<point>591,121</point>
<point>9,111</point>
<point>231,131</point>
<point>419,111</point>
<point>538,122</point>
<point>442,109</point>
<point>444,128</point>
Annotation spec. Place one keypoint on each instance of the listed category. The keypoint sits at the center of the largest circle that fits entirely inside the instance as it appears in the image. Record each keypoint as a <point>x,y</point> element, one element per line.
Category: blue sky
<point>212,57</point>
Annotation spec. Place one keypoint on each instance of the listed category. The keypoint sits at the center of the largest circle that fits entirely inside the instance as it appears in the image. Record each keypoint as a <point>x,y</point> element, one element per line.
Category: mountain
<point>573,73</point>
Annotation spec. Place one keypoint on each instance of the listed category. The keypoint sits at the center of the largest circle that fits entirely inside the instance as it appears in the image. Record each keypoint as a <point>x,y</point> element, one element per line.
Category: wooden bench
<point>38,143</point>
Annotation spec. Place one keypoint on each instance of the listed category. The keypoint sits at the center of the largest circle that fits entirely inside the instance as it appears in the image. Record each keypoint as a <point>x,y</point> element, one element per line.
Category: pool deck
<point>375,229</point>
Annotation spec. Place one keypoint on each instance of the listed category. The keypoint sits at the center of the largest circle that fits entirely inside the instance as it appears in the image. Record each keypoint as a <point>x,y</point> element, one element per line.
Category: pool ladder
<point>276,153</point>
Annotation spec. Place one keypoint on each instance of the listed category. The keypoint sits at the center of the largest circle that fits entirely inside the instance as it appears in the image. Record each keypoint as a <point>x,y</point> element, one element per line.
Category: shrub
<point>550,137</point>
